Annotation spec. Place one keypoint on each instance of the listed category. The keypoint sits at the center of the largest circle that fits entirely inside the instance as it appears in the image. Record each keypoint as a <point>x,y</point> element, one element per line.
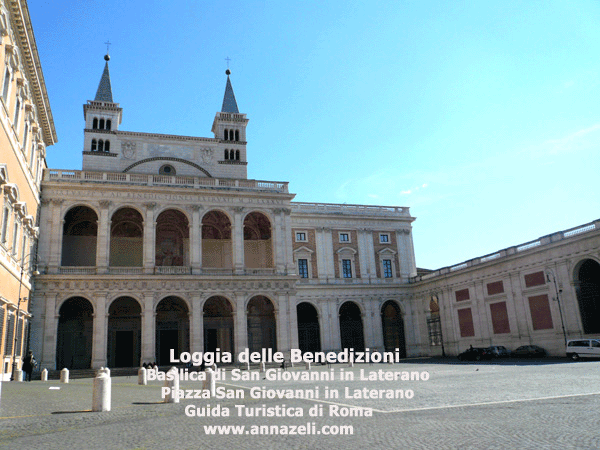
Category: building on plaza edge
<point>162,242</point>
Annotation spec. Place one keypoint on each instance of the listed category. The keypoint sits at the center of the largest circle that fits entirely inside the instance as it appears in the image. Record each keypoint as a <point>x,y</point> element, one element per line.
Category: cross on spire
<point>107,46</point>
<point>228,59</point>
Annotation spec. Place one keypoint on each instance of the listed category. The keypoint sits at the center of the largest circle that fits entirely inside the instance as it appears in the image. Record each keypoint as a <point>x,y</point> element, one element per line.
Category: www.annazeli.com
<point>301,430</point>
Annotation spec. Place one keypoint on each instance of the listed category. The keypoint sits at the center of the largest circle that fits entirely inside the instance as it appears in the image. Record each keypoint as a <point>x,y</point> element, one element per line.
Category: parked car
<point>498,351</point>
<point>474,354</point>
<point>583,348</point>
<point>529,351</point>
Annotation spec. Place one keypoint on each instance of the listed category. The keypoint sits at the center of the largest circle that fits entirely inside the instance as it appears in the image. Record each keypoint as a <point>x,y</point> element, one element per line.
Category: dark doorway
<point>218,325</point>
<point>75,334</point>
<point>172,329</point>
<point>588,295</point>
<point>261,324</point>
<point>351,327</point>
<point>393,328</point>
<point>124,333</point>
<point>309,337</point>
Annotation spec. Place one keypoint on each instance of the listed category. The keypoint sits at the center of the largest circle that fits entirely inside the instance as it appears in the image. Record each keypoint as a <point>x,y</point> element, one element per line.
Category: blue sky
<point>482,117</point>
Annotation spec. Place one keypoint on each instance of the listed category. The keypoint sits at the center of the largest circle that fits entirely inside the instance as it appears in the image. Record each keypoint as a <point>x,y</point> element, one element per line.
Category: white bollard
<point>18,375</point>
<point>44,375</point>
<point>262,367</point>
<point>173,384</point>
<point>248,366</point>
<point>210,383</point>
<point>107,370</point>
<point>101,397</point>
<point>351,363</point>
<point>64,375</point>
<point>307,365</point>
<point>214,367</point>
<point>142,376</point>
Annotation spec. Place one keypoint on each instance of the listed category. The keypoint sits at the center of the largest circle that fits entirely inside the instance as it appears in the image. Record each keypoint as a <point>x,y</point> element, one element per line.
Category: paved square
<point>507,404</point>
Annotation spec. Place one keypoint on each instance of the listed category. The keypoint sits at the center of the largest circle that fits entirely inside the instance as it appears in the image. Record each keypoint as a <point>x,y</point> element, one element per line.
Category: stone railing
<point>164,180</point>
<point>77,270</point>
<point>527,246</point>
<point>125,270</point>
<point>336,208</point>
<point>173,270</point>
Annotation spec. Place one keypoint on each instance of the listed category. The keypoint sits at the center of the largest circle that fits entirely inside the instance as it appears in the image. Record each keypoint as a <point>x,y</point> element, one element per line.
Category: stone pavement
<point>488,405</point>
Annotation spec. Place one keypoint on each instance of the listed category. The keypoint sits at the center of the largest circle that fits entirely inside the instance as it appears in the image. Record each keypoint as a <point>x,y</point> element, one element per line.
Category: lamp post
<point>14,364</point>
<point>549,274</point>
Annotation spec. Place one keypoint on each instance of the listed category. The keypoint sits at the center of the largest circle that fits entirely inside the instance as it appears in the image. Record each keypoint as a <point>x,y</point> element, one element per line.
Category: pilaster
<point>99,341</point>
<point>196,240</point>
<point>197,325</point>
<point>149,238</point>
<point>241,324</point>
<point>103,238</point>
<point>50,331</point>
<point>148,329</point>
<point>238,240</point>
<point>56,236</point>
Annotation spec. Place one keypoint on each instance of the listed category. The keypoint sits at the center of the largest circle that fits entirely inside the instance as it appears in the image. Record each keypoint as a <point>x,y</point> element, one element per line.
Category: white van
<point>583,348</point>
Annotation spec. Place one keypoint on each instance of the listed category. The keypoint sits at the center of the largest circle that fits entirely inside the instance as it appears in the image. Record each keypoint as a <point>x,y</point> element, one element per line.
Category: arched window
<point>94,145</point>
<point>102,124</point>
<point>231,135</point>
<point>100,145</point>
<point>237,155</point>
<point>107,146</point>
<point>226,154</point>
<point>17,111</point>
<point>6,85</point>
<point>108,124</point>
<point>226,134</point>
<point>25,136</point>
<point>237,135</point>
<point>167,169</point>
<point>95,123</point>
<point>231,154</point>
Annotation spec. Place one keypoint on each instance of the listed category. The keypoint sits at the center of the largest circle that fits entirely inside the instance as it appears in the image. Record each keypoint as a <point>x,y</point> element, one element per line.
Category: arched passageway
<point>172,239</point>
<point>309,337</point>
<point>351,327</point>
<point>261,324</point>
<point>172,329</point>
<point>258,247</point>
<point>216,241</point>
<point>75,334</point>
<point>80,232</point>
<point>218,325</point>
<point>393,328</point>
<point>588,295</point>
<point>126,238</point>
<point>124,333</point>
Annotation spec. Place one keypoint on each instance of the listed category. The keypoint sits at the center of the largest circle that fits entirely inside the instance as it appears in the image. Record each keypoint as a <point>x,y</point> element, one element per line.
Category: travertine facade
<point>26,129</point>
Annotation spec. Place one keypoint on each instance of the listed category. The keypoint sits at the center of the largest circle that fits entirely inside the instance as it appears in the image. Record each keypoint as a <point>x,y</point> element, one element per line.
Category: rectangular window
<point>10,334</point>
<point>6,85</point>
<point>495,288</point>
<point>346,268</point>
<point>17,111</point>
<point>15,237</point>
<point>541,317</point>
<point>535,279</point>
<point>19,337</point>
<point>384,238</point>
<point>4,225</point>
<point>303,268</point>
<point>387,268</point>
<point>461,295</point>
<point>499,314</point>
<point>300,236</point>
<point>344,237</point>
<point>465,322</point>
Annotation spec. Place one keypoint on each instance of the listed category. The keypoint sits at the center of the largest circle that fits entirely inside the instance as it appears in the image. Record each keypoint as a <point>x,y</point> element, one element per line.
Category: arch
<point>587,288</point>
<point>393,328</point>
<point>167,158</point>
<point>101,124</point>
<point>172,328</point>
<point>124,332</point>
<point>231,155</point>
<point>218,325</point>
<point>262,332</point>
<point>100,145</point>
<point>126,238</point>
<point>258,246</point>
<point>95,123</point>
<point>237,135</point>
<point>172,239</point>
<point>237,155</point>
<point>107,146</point>
<point>351,326</point>
<point>108,124</point>
<point>216,240</point>
<point>80,232</point>
<point>94,146</point>
<point>225,134</point>
<point>75,334</point>
<point>309,335</point>
<point>226,154</point>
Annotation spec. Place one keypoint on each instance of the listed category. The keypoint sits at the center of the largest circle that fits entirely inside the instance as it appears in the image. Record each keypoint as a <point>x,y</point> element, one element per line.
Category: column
<point>278,241</point>
<point>377,326</point>
<point>197,325</point>
<point>363,253</point>
<point>328,251</point>
<point>50,330</point>
<point>45,244</point>
<point>283,343</point>
<point>240,324</point>
<point>100,331</point>
<point>371,254</point>
<point>196,240</point>
<point>149,238</point>
<point>287,242</point>
<point>238,241</point>
<point>367,323</point>
<point>404,259</point>
<point>321,261</point>
<point>293,321</point>
<point>103,239</point>
<point>148,329</point>
<point>56,236</point>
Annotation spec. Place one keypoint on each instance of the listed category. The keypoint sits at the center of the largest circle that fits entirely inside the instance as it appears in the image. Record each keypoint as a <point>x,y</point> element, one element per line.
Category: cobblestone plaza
<point>508,404</point>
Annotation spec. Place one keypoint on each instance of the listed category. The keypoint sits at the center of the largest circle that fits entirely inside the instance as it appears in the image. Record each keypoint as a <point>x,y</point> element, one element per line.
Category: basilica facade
<point>162,242</point>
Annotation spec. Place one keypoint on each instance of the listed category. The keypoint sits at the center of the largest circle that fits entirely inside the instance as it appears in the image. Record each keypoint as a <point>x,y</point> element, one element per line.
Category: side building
<point>162,242</point>
<point>26,129</point>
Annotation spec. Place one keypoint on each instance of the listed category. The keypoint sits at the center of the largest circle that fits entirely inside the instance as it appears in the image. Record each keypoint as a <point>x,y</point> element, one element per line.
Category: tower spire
<point>104,92</point>
<point>229,103</point>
